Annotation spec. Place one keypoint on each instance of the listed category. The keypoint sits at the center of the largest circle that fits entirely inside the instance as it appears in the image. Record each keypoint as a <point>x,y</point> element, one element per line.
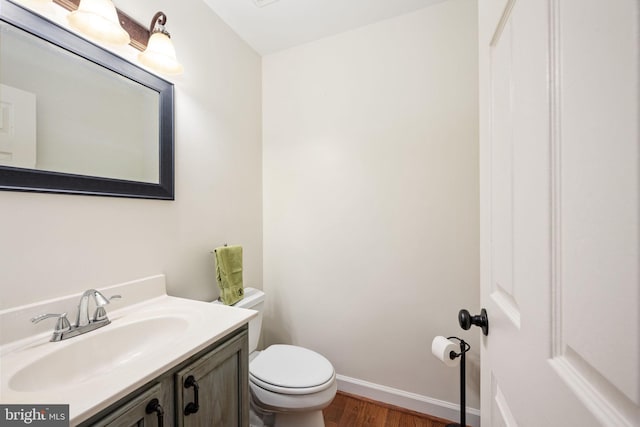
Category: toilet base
<point>291,419</point>
<point>299,419</point>
<point>255,420</point>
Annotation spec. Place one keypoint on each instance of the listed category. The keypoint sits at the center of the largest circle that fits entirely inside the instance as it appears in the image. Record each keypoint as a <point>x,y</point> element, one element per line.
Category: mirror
<point>76,118</point>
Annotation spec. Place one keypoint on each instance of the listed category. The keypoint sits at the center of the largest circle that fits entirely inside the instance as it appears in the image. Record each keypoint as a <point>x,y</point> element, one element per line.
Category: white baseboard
<point>412,401</point>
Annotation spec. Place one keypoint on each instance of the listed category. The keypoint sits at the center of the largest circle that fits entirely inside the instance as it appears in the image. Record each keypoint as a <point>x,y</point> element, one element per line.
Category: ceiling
<point>281,24</point>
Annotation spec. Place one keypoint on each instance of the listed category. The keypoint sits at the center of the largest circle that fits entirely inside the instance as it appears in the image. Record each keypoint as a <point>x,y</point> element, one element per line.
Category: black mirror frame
<point>20,179</point>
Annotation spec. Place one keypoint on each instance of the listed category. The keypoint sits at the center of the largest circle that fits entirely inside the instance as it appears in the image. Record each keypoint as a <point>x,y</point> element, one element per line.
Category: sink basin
<point>150,333</point>
<point>97,353</point>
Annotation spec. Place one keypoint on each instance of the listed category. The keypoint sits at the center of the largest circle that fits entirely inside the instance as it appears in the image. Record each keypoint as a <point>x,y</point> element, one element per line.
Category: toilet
<point>289,385</point>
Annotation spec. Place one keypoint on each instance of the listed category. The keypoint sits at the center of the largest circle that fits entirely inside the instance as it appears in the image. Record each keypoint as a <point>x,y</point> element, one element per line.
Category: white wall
<point>371,197</point>
<point>53,245</point>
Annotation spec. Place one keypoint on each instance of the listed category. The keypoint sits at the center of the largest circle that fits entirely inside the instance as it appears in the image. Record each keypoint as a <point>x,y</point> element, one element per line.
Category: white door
<point>17,127</point>
<point>560,208</point>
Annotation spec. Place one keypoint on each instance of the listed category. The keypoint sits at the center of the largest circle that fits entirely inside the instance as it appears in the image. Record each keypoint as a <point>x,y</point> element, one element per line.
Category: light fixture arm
<point>160,54</point>
<point>158,19</point>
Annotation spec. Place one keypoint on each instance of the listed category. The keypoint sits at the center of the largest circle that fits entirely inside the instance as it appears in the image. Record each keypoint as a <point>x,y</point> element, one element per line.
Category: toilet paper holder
<point>464,347</point>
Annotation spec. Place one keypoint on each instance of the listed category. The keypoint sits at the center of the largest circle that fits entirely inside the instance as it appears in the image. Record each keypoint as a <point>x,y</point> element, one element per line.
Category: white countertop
<point>184,328</point>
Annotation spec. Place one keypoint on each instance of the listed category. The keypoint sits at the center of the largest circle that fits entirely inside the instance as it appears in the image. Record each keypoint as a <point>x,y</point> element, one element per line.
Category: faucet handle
<point>102,300</point>
<point>62,324</point>
<point>101,313</point>
<point>99,297</point>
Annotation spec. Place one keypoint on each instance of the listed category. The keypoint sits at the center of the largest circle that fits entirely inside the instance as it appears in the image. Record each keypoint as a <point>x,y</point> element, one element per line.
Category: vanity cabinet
<point>149,409</point>
<point>209,389</point>
<point>212,391</point>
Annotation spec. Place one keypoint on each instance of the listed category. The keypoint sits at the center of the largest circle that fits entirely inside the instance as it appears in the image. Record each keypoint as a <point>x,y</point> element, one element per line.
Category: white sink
<point>96,353</point>
<point>93,370</point>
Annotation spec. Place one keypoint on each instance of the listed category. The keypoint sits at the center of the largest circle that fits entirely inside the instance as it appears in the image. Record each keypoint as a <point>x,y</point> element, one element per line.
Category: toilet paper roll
<point>442,348</point>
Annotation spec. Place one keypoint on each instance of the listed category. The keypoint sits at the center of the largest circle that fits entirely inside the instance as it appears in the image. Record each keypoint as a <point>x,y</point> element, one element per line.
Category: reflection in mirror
<point>71,101</point>
<point>76,118</point>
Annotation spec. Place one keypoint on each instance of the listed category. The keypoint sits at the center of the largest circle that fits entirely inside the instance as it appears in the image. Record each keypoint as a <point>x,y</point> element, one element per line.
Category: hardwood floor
<point>353,411</point>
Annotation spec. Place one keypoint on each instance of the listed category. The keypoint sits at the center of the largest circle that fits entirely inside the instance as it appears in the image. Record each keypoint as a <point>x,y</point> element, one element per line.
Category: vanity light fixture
<point>99,19</point>
<point>160,55</point>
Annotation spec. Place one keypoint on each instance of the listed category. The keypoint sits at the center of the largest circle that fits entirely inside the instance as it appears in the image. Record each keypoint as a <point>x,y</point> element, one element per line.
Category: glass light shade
<point>160,55</point>
<point>99,19</point>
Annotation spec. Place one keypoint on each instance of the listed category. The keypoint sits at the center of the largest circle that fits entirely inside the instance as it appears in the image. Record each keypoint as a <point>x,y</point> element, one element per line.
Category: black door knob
<point>481,320</point>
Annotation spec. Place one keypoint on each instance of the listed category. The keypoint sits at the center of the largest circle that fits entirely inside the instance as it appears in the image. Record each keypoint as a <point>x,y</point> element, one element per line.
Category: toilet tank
<point>254,300</point>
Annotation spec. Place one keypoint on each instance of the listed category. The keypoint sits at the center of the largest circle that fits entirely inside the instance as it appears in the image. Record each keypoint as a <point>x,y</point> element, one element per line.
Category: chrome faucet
<point>83,307</point>
<point>84,322</point>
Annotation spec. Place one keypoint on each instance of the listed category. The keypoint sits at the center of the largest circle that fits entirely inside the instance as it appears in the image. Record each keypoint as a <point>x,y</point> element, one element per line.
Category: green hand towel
<point>229,273</point>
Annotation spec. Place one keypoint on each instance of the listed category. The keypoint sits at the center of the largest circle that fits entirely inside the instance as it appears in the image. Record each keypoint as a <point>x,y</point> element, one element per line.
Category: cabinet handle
<point>154,406</point>
<point>192,407</point>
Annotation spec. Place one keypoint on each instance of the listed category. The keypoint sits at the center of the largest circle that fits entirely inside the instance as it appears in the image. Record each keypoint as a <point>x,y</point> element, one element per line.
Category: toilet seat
<point>289,369</point>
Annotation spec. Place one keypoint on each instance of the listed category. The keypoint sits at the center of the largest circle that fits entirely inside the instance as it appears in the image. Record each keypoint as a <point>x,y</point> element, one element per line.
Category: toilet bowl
<point>289,385</point>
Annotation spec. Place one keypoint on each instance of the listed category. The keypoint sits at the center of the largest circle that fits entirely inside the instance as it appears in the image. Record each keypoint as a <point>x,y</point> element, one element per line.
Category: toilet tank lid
<point>251,298</point>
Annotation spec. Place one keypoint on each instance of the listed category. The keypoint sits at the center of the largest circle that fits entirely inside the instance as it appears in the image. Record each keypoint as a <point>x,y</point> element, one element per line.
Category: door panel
<point>560,209</point>
<point>222,382</point>
<point>500,410</point>
<point>17,127</point>
<point>134,413</point>
<point>597,204</point>
<point>502,174</point>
